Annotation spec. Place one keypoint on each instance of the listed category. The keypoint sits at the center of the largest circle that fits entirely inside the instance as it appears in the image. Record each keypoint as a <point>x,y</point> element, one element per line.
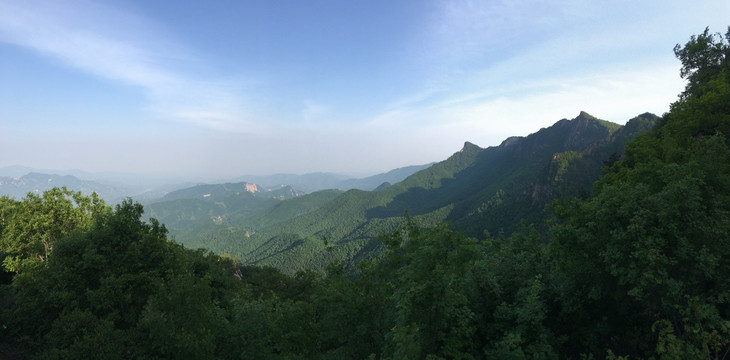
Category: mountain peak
<point>469,147</point>
<point>586,116</point>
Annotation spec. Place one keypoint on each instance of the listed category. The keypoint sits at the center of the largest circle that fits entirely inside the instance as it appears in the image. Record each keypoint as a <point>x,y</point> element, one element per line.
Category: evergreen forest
<point>635,265</point>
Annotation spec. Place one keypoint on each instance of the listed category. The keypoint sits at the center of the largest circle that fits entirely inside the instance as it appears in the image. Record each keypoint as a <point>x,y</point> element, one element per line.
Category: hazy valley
<point>283,220</point>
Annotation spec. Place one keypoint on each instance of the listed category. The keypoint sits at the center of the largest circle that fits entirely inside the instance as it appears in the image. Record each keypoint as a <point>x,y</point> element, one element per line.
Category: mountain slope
<point>373,182</point>
<point>560,169</point>
<point>200,205</point>
<point>307,183</point>
<point>475,189</point>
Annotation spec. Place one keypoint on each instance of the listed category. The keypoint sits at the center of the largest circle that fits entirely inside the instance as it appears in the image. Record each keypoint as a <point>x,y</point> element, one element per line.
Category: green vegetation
<point>31,228</point>
<point>637,268</point>
<point>476,190</point>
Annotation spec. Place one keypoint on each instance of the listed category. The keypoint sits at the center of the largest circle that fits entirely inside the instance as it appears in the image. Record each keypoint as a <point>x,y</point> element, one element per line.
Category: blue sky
<point>208,90</point>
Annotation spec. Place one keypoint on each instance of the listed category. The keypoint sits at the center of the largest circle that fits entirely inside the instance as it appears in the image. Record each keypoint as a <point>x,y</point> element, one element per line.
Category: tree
<point>641,267</point>
<point>181,319</point>
<point>431,280</point>
<point>703,57</point>
<point>514,297</point>
<point>30,228</point>
<point>107,272</point>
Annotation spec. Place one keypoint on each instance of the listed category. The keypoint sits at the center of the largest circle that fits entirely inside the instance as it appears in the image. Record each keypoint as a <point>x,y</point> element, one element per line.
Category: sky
<point>201,90</point>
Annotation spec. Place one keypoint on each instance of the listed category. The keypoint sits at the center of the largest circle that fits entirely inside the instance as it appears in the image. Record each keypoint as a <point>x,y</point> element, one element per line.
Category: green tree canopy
<point>643,264</point>
<point>30,228</point>
<point>703,57</point>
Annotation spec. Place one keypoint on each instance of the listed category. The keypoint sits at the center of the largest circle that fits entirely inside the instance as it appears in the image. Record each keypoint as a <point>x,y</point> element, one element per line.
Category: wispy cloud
<point>121,46</point>
<point>312,111</point>
<point>505,68</point>
<point>487,117</point>
<point>469,31</point>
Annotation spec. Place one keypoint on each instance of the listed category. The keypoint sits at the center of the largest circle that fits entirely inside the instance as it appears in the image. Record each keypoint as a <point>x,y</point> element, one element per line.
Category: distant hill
<point>307,182</point>
<point>37,183</point>
<point>323,181</point>
<point>19,170</point>
<point>475,189</point>
<point>375,181</point>
<point>112,192</point>
<point>218,204</point>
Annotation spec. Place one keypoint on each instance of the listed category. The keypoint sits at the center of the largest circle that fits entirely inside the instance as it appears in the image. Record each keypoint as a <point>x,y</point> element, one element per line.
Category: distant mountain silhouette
<point>323,181</point>
<point>37,183</point>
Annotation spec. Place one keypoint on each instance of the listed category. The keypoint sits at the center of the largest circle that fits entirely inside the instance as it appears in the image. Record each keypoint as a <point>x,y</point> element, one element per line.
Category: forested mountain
<point>476,190</point>
<point>306,183</point>
<point>217,204</point>
<point>634,268</point>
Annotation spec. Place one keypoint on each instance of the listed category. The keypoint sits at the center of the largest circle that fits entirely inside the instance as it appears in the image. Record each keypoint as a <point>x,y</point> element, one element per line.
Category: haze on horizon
<point>222,89</point>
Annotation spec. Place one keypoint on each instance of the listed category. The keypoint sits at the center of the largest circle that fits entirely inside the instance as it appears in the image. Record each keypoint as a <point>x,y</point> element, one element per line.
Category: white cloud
<point>476,71</point>
<point>490,116</point>
<point>124,47</point>
<point>503,68</point>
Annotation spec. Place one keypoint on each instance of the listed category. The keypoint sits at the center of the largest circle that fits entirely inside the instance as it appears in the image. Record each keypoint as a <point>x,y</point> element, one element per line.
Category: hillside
<point>219,204</point>
<point>374,182</point>
<point>475,189</point>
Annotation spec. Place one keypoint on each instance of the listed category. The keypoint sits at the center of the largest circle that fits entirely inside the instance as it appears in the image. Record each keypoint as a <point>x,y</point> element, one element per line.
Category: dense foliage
<point>639,269</point>
<point>643,265</point>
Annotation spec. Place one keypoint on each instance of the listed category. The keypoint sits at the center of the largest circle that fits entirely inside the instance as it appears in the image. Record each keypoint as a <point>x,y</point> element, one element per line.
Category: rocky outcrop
<point>252,188</point>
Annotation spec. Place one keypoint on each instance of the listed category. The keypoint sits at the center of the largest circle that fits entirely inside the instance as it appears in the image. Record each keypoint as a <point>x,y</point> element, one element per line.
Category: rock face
<point>252,188</point>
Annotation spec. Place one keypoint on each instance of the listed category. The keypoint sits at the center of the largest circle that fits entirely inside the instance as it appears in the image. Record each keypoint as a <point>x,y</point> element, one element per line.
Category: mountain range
<point>37,183</point>
<point>476,189</point>
<point>17,181</point>
<point>320,181</point>
<point>297,222</point>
